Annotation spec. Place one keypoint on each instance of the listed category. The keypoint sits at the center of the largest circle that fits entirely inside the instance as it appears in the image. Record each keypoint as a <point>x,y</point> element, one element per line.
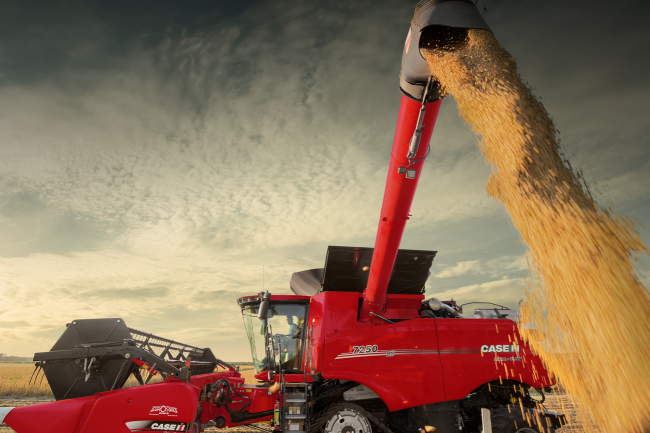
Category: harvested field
<point>14,382</point>
<point>249,375</point>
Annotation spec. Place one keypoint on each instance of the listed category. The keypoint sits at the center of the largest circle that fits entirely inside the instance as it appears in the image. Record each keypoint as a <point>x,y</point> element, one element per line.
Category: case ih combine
<point>356,349</point>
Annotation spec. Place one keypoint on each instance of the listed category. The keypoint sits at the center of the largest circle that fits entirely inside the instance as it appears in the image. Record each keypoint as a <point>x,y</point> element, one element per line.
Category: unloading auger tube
<point>440,23</point>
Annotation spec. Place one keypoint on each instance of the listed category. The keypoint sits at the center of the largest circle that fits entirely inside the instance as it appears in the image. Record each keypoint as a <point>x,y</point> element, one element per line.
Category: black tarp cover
<point>347,269</point>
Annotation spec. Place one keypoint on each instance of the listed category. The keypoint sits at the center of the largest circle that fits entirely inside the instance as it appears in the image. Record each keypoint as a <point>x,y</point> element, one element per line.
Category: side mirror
<point>264,305</point>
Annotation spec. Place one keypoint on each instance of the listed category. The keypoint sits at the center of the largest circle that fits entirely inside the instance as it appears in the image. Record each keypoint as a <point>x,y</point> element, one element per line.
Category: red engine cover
<point>423,361</point>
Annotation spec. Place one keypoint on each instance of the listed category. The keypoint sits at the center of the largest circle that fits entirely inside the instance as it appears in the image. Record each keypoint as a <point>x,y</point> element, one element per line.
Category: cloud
<point>493,267</point>
<point>127,294</point>
<point>459,269</point>
<point>28,225</point>
<point>151,163</point>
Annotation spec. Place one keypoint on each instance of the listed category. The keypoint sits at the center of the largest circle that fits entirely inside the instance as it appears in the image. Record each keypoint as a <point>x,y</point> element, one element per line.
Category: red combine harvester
<point>356,349</point>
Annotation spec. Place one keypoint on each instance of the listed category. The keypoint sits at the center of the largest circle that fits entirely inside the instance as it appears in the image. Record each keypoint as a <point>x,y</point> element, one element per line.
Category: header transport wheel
<point>513,421</point>
<point>348,418</point>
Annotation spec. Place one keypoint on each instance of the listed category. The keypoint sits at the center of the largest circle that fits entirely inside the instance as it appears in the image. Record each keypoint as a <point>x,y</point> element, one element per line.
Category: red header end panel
<point>121,411</point>
<point>399,362</point>
<point>132,409</point>
<point>56,417</point>
<point>474,352</point>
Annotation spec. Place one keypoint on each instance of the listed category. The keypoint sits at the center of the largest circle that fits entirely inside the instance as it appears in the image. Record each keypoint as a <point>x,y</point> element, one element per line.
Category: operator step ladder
<point>294,416</point>
<point>295,397</point>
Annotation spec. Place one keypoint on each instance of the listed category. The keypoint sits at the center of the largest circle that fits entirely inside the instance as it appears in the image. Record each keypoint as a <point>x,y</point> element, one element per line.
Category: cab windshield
<point>278,337</point>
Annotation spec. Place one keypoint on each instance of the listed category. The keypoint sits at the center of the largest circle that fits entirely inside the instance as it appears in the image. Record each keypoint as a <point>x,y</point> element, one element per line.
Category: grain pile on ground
<point>586,298</point>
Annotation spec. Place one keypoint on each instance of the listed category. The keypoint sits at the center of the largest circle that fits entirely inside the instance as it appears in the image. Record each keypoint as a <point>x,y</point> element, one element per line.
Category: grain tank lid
<point>307,283</point>
<point>347,270</point>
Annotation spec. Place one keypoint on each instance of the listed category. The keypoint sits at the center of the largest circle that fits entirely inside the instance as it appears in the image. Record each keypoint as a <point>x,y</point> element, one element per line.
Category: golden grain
<point>585,296</point>
<point>14,381</point>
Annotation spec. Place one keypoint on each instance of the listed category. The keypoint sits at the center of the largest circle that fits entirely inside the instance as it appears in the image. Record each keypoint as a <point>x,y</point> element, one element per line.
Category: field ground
<point>15,391</point>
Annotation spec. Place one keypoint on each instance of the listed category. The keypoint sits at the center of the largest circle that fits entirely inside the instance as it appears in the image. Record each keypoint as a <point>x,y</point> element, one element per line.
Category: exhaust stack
<point>436,23</point>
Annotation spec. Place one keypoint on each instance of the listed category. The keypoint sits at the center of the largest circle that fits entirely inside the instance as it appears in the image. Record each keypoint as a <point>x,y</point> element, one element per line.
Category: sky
<point>156,156</point>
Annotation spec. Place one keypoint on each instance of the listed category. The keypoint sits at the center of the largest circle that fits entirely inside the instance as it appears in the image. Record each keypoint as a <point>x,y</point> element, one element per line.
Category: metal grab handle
<point>417,134</point>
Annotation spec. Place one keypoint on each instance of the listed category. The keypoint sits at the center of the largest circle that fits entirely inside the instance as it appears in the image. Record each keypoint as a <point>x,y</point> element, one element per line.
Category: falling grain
<point>585,296</point>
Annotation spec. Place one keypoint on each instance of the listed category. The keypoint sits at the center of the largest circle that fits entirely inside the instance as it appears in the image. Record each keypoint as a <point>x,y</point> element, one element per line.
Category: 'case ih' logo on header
<point>157,426</point>
<point>163,410</point>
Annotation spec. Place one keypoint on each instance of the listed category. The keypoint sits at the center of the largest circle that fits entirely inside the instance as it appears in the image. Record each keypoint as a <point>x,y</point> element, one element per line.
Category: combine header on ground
<point>358,348</point>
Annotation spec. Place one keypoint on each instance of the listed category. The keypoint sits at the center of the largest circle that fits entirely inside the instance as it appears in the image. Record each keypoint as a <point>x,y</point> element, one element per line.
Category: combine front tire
<point>347,418</point>
<point>513,421</point>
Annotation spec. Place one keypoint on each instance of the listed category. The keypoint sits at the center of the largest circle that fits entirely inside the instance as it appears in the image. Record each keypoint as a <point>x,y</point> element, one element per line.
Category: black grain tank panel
<point>347,270</point>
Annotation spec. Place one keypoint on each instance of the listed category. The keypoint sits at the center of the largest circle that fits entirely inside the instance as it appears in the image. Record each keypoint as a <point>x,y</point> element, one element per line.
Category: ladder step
<point>301,416</point>
<point>296,400</point>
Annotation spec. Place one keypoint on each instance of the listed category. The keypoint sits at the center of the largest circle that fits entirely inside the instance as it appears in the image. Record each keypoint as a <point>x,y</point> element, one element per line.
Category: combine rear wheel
<point>347,418</point>
<point>513,421</point>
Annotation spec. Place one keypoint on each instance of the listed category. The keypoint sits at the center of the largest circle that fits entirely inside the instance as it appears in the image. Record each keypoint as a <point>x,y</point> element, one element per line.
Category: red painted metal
<point>111,411</point>
<point>398,197</point>
<point>432,360</point>
<point>292,378</point>
<point>108,412</point>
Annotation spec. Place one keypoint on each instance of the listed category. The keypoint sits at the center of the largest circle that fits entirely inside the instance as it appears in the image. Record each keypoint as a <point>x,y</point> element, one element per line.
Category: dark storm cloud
<point>45,40</point>
<point>58,41</point>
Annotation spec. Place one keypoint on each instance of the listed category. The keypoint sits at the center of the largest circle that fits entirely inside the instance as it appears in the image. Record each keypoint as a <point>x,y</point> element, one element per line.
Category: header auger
<point>356,348</point>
